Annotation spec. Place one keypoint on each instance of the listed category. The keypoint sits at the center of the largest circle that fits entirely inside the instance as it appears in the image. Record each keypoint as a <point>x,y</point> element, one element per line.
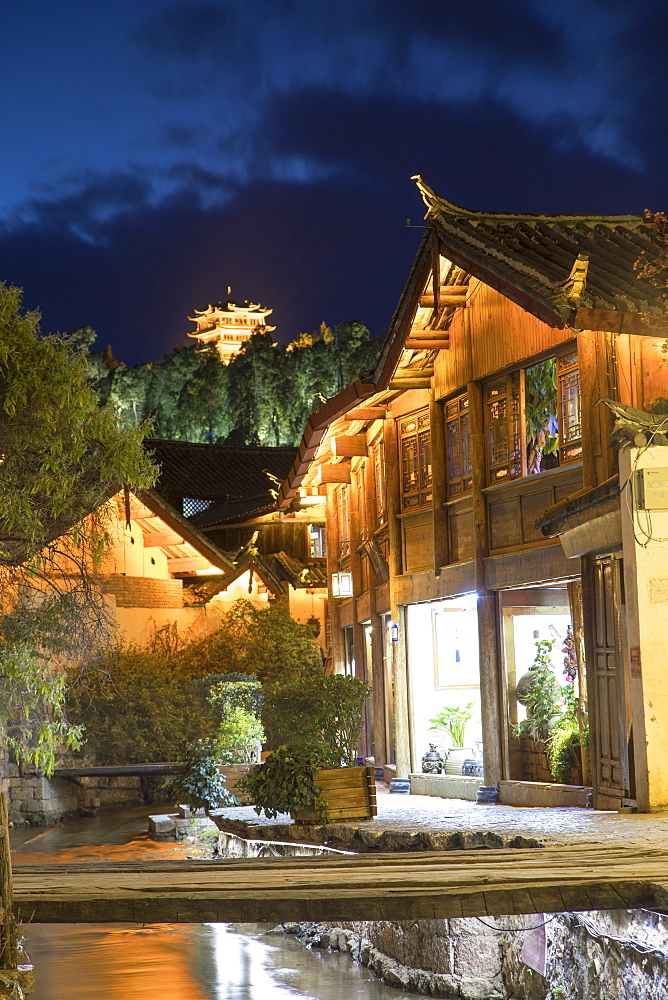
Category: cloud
<point>541,63</point>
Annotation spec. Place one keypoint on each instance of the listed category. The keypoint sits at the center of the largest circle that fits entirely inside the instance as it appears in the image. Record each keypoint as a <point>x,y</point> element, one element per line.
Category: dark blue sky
<point>154,153</point>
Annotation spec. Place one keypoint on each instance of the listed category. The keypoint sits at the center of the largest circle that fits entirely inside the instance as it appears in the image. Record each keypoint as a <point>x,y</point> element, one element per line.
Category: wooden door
<point>607,683</point>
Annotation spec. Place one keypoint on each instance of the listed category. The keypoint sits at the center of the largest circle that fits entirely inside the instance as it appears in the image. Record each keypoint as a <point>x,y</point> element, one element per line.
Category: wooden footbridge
<point>362,887</point>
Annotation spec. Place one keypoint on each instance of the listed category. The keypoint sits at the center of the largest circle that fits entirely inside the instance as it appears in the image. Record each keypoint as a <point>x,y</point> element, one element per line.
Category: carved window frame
<point>504,415</point>
<point>415,465</point>
<point>458,459</point>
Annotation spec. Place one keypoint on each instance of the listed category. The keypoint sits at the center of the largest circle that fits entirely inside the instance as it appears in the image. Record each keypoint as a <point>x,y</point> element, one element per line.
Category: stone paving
<point>551,827</point>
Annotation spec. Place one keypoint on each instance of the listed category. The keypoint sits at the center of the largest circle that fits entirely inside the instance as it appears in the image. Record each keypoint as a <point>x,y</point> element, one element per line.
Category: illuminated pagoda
<point>229,325</point>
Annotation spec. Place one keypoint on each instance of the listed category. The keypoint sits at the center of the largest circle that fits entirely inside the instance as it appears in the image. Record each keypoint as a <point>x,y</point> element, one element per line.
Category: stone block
<point>162,827</point>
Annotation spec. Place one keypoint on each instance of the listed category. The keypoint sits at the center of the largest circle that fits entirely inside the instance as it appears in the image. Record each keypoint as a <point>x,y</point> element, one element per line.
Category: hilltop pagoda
<point>229,325</point>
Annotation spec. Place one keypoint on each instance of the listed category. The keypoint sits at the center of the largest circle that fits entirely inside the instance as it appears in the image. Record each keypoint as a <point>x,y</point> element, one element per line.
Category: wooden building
<point>229,325</point>
<point>473,496</point>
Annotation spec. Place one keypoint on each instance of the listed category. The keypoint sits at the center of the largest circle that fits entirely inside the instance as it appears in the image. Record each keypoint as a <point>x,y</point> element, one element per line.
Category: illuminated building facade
<point>229,325</point>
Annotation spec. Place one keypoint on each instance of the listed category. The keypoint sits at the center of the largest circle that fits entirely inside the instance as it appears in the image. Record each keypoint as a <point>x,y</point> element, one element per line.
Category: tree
<point>62,456</point>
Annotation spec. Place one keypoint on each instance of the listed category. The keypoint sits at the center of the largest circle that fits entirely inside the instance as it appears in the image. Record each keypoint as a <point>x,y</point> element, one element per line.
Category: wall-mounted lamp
<point>395,633</point>
<point>342,584</point>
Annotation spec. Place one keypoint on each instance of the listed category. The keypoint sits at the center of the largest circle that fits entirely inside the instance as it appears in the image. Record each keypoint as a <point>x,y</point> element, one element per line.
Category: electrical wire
<point>581,921</point>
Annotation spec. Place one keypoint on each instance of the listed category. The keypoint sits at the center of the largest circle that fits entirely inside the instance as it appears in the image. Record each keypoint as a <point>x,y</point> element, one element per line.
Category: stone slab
<point>445,786</point>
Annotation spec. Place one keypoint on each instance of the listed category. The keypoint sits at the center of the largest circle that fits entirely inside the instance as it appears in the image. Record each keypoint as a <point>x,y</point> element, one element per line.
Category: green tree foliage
<point>62,455</point>
<point>140,706</point>
<point>260,641</point>
<point>318,708</point>
<point>143,705</point>
<point>264,395</point>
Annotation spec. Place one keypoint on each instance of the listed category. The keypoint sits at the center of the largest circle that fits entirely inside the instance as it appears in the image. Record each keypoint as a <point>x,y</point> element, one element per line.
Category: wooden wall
<point>490,334</point>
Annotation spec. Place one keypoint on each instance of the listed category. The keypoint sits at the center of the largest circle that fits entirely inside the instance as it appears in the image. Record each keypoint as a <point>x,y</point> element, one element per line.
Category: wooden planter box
<point>350,793</point>
<point>232,774</point>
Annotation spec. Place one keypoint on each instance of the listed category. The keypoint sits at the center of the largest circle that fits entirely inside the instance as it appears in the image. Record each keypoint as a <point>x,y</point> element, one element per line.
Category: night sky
<point>154,153</point>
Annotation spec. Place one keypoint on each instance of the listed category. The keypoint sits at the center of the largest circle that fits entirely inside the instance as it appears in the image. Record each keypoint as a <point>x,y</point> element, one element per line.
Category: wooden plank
<point>157,539</point>
<point>387,886</point>
<point>365,413</point>
<point>330,472</point>
<point>348,446</point>
<point>416,344</point>
<point>188,564</point>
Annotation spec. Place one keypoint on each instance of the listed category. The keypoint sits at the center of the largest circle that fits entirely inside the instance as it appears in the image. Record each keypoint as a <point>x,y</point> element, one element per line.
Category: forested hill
<point>263,397</point>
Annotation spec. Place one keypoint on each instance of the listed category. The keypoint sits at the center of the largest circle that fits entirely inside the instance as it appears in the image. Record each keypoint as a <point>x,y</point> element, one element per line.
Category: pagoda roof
<point>552,264</point>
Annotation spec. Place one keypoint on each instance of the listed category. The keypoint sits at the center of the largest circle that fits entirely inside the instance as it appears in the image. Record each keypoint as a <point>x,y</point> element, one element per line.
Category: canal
<point>170,961</point>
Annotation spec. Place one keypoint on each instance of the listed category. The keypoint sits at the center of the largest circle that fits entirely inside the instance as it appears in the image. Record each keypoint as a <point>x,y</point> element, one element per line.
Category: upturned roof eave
<point>315,430</point>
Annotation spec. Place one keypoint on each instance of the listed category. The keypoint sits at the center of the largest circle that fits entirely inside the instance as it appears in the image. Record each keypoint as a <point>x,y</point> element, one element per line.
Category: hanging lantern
<point>342,584</point>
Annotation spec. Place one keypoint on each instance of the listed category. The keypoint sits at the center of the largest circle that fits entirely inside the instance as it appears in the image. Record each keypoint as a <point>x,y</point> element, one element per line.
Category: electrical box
<point>651,491</point>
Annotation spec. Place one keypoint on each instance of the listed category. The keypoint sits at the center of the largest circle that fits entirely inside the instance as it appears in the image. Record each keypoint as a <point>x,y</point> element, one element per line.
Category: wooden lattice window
<point>570,413</point>
<point>378,459</point>
<point>504,440</point>
<point>458,446</point>
<point>415,449</point>
<point>533,419</point>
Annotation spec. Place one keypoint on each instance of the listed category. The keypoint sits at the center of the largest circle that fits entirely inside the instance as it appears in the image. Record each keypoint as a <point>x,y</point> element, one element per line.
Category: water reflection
<point>190,962</point>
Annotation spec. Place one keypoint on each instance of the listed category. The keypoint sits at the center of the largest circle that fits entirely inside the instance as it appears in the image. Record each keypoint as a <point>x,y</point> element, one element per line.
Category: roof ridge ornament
<point>571,293</point>
<point>435,204</point>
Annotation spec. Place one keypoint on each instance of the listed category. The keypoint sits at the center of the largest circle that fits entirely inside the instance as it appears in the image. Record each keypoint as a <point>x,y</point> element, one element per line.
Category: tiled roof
<point>300,574</point>
<point>535,254</point>
<point>231,511</point>
<point>217,472</point>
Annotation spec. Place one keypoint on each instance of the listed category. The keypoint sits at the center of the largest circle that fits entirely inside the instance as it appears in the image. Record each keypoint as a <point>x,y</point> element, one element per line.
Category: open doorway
<point>545,688</point>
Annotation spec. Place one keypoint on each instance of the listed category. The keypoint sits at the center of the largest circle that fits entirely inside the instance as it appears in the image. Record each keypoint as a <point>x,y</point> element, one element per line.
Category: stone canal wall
<point>38,801</point>
<point>618,954</point>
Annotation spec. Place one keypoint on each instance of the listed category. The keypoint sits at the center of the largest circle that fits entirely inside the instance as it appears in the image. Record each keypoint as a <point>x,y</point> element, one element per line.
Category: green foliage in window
<point>543,694</point>
<point>453,722</point>
<point>541,412</point>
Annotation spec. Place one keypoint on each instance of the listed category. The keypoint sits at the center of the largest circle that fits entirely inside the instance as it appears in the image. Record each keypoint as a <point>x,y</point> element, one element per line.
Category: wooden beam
<point>410,383</point>
<point>158,539</point>
<point>427,300</point>
<point>433,885</point>
<point>365,413</point>
<point>332,473</point>
<point>188,564</point>
<point>348,446</point>
<point>427,345</point>
<point>604,321</point>
<point>427,334</point>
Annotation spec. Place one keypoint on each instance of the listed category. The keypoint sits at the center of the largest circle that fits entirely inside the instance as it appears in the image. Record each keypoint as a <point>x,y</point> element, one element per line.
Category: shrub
<point>284,783</point>
<point>139,707</point>
<point>318,708</point>
<point>259,641</point>
<point>200,785</point>
<point>238,737</point>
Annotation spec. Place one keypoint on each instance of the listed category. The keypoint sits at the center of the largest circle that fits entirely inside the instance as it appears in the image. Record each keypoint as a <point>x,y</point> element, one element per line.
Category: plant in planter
<point>284,783</point>
<point>566,739</point>
<point>318,709</point>
<point>319,720</point>
<point>542,695</point>
<point>201,785</point>
<point>453,722</point>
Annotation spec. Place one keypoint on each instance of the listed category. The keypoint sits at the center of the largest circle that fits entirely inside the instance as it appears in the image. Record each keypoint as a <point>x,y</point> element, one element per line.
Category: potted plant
<point>551,734</point>
<point>200,785</point>
<point>453,720</point>
<point>309,775</point>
